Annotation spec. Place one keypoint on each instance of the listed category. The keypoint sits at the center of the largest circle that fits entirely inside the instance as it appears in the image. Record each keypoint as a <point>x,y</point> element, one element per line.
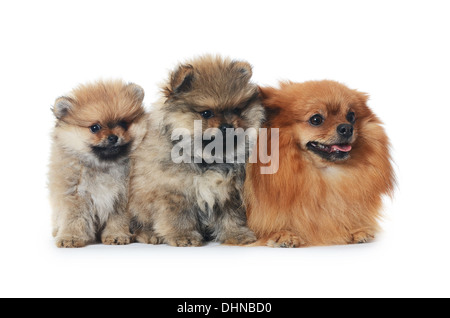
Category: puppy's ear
<point>180,81</point>
<point>62,106</point>
<point>268,98</point>
<point>136,92</point>
<point>363,97</point>
<point>268,95</point>
<point>244,69</point>
<point>267,92</point>
<point>285,84</point>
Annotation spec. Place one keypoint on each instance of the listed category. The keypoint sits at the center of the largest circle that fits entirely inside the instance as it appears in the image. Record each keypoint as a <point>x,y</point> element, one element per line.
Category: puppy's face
<point>328,130</point>
<point>100,121</point>
<point>325,117</point>
<point>215,91</point>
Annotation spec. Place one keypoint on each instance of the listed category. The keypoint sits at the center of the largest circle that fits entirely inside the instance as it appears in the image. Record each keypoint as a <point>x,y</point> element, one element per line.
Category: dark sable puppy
<point>195,200</point>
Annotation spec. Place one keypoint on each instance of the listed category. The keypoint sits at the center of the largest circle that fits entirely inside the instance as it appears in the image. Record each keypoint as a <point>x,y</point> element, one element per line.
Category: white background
<point>397,51</point>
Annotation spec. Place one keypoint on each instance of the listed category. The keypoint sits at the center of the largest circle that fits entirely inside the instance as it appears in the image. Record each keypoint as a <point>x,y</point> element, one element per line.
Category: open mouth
<point>111,153</point>
<point>330,152</point>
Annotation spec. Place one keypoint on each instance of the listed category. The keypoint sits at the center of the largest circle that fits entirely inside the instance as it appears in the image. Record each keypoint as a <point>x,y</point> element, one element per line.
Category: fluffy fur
<point>89,167</point>
<point>186,204</point>
<point>323,193</point>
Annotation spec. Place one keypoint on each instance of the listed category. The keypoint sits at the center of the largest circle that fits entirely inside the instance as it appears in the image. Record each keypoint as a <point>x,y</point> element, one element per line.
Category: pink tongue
<point>343,148</point>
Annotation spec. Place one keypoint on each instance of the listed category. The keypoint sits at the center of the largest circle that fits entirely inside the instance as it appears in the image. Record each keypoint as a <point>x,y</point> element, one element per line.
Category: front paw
<point>285,239</point>
<point>362,237</point>
<point>116,239</point>
<point>70,242</point>
<point>148,237</point>
<point>186,240</point>
<point>242,238</point>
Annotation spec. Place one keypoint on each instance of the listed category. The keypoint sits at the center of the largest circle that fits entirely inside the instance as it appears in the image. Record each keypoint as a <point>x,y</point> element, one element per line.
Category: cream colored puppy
<point>97,127</point>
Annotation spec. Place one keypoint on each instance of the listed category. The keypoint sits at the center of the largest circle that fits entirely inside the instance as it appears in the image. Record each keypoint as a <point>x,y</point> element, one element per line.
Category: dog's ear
<point>285,84</point>
<point>243,69</point>
<point>180,81</point>
<point>136,92</point>
<point>268,95</point>
<point>267,92</point>
<point>62,106</point>
<point>363,97</point>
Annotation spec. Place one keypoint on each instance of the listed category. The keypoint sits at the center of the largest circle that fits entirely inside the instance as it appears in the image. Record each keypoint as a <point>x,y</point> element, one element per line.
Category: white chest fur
<point>103,189</point>
<point>211,187</point>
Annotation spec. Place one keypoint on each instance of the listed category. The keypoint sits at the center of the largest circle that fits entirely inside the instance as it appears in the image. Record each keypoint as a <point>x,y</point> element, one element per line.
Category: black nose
<point>224,127</point>
<point>345,130</point>
<point>112,139</point>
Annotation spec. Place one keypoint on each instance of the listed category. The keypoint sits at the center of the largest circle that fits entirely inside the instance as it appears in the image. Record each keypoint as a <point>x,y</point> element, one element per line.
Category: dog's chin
<point>332,153</point>
<point>111,153</point>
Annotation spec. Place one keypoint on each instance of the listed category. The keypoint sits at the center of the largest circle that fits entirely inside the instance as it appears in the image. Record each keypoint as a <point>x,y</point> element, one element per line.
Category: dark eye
<point>123,124</point>
<point>351,117</point>
<point>316,120</point>
<point>237,111</point>
<point>95,128</point>
<point>207,114</point>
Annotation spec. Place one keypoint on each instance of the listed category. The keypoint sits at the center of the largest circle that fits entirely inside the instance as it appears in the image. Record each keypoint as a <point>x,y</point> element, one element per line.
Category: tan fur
<point>310,200</point>
<point>89,194</point>
<point>185,204</point>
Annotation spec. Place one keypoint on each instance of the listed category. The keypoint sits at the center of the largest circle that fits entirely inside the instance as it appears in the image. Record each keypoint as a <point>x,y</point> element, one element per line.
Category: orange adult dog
<point>334,168</point>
